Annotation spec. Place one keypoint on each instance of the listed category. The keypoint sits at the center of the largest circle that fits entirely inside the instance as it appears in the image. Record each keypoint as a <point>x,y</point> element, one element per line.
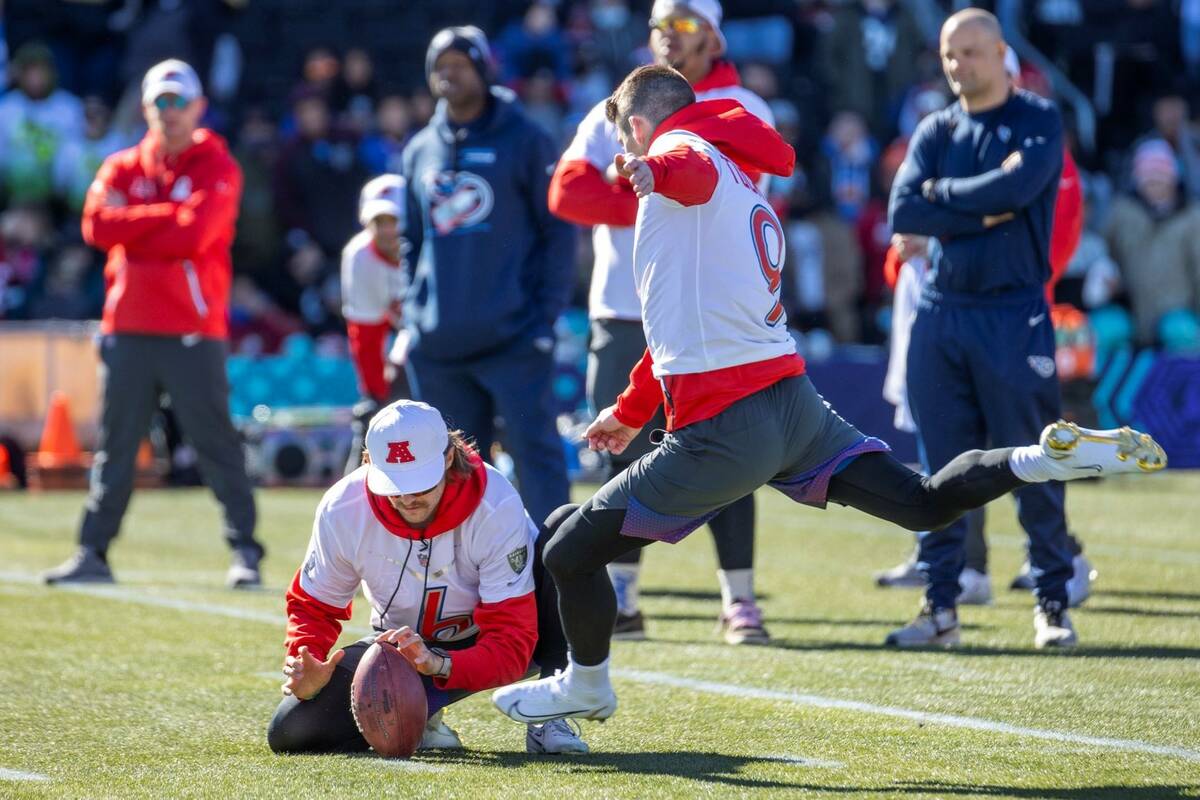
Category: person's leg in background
<point>741,620</point>
<point>129,398</point>
<point>520,381</point>
<point>194,378</point>
<point>450,388</point>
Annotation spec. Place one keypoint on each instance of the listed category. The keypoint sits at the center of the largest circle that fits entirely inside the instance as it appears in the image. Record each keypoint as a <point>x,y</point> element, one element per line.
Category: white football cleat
<point>553,698</point>
<point>439,736</point>
<point>976,588</point>
<point>1052,628</point>
<point>556,737</point>
<point>904,575</point>
<point>1083,452</point>
<point>930,628</point>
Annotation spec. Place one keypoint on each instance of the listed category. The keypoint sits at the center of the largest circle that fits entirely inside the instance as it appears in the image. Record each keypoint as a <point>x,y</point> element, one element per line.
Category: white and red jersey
<point>707,262</point>
<point>580,194</point>
<point>469,574</point>
<point>373,287</point>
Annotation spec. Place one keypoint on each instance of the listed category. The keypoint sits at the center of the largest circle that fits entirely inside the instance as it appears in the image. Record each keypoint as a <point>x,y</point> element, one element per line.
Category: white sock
<point>1031,465</point>
<point>591,680</point>
<point>624,579</point>
<point>736,584</point>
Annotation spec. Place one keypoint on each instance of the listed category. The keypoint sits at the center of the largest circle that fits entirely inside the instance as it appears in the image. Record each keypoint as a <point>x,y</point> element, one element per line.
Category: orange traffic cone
<point>59,446</point>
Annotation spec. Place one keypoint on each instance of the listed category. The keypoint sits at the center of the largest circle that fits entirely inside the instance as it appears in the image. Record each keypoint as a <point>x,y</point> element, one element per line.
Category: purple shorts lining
<point>812,487</point>
<point>644,523</point>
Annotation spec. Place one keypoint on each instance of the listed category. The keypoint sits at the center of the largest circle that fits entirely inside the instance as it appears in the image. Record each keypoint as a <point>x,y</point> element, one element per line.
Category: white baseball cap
<point>170,77</point>
<point>707,10</point>
<point>382,195</point>
<point>407,443</point>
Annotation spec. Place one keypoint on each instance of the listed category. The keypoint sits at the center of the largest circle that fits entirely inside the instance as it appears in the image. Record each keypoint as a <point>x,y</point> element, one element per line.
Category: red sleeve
<point>106,226</point>
<point>578,193</point>
<point>685,175</point>
<point>366,349</point>
<point>1067,227</point>
<point>207,215</point>
<point>891,266</point>
<point>643,396</point>
<point>503,649</point>
<point>311,622</point>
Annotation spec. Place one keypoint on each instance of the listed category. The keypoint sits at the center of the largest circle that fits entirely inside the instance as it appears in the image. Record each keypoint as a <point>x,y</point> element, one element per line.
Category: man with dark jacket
<point>164,210</point>
<point>491,267</point>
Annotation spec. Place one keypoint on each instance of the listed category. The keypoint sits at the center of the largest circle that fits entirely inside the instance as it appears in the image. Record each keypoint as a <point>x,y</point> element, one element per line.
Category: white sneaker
<point>552,698</point>
<point>1052,628</point>
<point>1079,588</point>
<point>976,588</point>
<point>904,575</point>
<point>439,736</point>
<point>929,628</point>
<point>1083,452</point>
<point>556,737</point>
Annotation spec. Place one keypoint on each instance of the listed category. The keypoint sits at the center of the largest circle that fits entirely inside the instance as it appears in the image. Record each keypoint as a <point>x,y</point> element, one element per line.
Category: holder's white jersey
<point>370,284</point>
<point>612,294</point>
<point>708,275</point>
<point>488,558</point>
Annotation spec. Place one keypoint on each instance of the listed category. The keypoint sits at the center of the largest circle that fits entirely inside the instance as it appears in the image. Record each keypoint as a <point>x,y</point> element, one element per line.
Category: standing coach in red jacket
<point>164,211</point>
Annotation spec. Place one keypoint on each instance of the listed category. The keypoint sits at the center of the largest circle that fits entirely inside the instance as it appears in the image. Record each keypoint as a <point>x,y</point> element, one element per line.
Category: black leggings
<point>325,724</point>
<point>589,539</point>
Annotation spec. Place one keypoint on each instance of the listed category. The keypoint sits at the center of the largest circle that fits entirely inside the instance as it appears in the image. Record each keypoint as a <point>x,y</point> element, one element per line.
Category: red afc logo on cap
<point>398,453</point>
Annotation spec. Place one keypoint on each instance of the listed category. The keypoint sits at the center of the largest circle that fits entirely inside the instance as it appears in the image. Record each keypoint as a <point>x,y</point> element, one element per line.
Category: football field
<point>162,685</point>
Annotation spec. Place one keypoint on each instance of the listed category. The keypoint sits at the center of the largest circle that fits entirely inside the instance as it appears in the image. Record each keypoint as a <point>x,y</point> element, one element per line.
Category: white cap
<point>707,10</point>
<point>407,443</point>
<point>170,77</point>
<point>1011,64</point>
<point>382,195</point>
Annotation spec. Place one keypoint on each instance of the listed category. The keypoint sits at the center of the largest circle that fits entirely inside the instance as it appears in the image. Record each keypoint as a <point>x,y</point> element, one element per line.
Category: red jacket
<point>167,232</point>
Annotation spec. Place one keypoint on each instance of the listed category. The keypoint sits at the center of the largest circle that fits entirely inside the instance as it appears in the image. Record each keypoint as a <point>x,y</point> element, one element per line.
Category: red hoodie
<point>507,629</point>
<point>690,178</point>
<point>167,231</point>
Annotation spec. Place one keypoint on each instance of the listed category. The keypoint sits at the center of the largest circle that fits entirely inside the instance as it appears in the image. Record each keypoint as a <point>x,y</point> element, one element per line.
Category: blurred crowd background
<point>315,97</point>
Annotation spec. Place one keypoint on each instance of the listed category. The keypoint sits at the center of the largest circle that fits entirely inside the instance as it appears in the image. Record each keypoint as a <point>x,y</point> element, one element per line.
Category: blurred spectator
<point>71,286</point>
<point>318,177</point>
<point>1173,125</point>
<point>760,79</point>
<point>539,95</point>
<point>319,73</point>
<point>1154,235</point>
<point>357,92</point>
<point>24,239</point>
<point>610,38</point>
<point>851,154</point>
<point>256,248</point>
<point>874,234</point>
<point>870,59</point>
<point>533,44</point>
<point>256,324</point>
<point>36,120</point>
<point>77,161</point>
<point>380,151</point>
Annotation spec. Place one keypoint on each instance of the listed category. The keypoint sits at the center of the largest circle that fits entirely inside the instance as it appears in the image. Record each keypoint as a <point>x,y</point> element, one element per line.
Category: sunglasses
<point>165,101</point>
<point>677,24</point>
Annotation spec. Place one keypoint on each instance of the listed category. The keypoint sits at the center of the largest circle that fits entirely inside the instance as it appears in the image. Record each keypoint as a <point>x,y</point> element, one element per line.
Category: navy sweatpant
<point>981,374</point>
<point>513,383</point>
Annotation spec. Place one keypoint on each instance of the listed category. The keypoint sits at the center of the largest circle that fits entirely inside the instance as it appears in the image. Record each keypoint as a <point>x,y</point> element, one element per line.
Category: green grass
<point>113,696</point>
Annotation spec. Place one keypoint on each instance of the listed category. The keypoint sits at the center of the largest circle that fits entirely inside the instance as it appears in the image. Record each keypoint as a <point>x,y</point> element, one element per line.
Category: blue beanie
<point>466,39</point>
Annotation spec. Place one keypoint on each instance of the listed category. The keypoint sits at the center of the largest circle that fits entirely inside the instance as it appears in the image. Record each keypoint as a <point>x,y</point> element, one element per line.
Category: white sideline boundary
<point>121,594</point>
<point>17,775</point>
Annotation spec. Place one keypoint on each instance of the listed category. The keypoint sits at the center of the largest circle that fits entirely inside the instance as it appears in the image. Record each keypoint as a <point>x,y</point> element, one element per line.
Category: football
<point>388,701</point>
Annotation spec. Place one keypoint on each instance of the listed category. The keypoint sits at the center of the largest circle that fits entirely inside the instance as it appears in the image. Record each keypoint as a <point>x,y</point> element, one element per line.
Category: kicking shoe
<point>439,736</point>
<point>931,627</point>
<point>1079,588</point>
<point>742,623</point>
<point>901,576</point>
<point>243,572</point>
<point>553,698</point>
<point>1083,452</point>
<point>85,566</point>
<point>630,627</point>
<point>976,588</point>
<point>1023,581</point>
<point>556,737</point>
<point>1052,627</point>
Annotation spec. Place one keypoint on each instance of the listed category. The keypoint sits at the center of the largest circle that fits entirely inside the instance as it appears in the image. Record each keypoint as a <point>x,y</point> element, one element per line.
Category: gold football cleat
<point>1063,439</point>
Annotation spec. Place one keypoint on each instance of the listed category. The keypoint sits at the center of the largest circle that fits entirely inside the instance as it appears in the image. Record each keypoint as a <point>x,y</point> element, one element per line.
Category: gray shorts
<point>786,436</point>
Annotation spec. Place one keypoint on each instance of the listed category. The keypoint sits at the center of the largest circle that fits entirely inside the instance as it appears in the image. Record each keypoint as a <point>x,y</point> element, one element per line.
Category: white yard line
<point>664,679</point>
<point>17,775</point>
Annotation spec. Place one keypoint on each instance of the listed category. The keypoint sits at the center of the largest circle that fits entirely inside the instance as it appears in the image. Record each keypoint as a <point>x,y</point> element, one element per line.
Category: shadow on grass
<point>770,618</point>
<point>1139,612</point>
<point>1145,594</point>
<point>715,768</point>
<point>690,594</point>
<point>1067,793</point>
<point>966,650</point>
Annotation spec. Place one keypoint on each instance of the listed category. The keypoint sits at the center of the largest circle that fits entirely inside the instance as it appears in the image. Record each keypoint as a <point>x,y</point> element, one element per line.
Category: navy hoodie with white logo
<point>491,266</point>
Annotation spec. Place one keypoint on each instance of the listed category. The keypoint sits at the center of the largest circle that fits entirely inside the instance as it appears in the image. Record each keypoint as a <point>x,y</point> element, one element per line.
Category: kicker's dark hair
<point>652,92</point>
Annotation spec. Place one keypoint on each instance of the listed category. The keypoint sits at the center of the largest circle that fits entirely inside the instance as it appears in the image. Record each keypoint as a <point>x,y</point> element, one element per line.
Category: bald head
<point>973,48</point>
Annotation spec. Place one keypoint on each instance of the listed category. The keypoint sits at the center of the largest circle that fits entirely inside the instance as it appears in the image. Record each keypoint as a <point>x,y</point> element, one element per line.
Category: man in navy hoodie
<point>492,268</point>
